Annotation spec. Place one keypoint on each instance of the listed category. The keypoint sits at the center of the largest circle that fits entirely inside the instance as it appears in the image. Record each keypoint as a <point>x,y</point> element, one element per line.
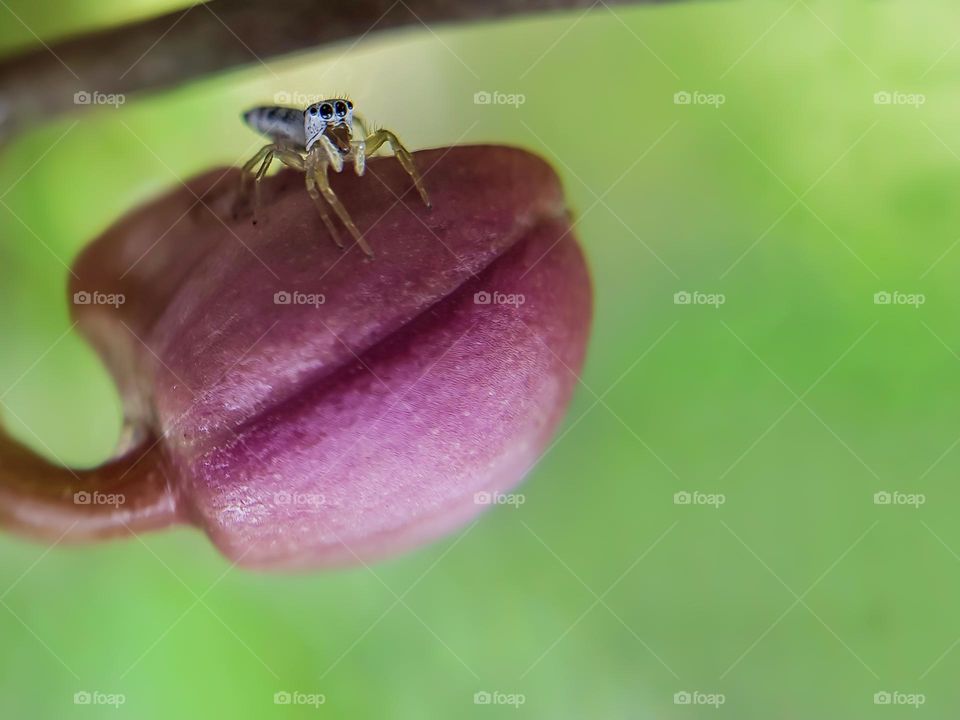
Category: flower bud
<point>308,406</point>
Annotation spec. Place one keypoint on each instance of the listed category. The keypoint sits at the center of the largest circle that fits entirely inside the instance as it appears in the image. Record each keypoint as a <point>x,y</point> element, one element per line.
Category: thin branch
<point>211,37</point>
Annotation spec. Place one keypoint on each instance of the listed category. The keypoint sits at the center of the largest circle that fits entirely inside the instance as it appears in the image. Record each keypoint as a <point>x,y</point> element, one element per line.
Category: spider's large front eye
<point>341,107</point>
<point>326,111</point>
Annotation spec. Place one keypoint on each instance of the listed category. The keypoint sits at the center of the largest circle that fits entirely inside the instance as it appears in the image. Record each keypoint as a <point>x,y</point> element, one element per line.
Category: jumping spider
<point>313,140</point>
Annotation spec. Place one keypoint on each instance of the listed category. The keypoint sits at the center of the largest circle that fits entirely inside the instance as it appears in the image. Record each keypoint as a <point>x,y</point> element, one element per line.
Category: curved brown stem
<point>210,37</point>
<point>124,496</point>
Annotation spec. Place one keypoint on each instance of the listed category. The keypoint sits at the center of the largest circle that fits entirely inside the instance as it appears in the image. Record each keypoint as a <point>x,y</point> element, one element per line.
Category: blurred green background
<point>796,399</point>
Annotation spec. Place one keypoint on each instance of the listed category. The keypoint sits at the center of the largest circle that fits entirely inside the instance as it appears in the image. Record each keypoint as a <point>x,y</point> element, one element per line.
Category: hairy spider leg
<point>358,149</point>
<point>373,142</point>
<point>265,156</point>
<point>333,155</point>
<point>316,170</point>
<point>322,209</point>
<point>361,122</point>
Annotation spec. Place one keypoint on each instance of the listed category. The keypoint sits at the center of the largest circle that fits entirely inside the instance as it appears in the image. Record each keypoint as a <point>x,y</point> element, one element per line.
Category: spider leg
<point>264,156</point>
<point>358,149</point>
<point>361,122</point>
<point>247,171</point>
<point>317,171</point>
<point>378,138</point>
<point>322,209</point>
<point>288,156</point>
<point>264,166</point>
<point>291,158</point>
<point>333,155</point>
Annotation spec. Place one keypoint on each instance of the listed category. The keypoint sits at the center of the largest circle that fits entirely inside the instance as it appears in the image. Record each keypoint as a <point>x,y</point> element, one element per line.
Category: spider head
<point>332,113</point>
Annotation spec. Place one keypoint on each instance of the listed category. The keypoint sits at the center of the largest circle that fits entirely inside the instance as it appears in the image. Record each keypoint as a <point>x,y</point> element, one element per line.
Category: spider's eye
<point>313,110</point>
<point>341,108</point>
<point>326,111</point>
<point>349,104</point>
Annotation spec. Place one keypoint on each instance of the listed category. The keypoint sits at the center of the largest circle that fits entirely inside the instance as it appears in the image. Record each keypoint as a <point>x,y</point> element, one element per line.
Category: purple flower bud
<point>307,406</point>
